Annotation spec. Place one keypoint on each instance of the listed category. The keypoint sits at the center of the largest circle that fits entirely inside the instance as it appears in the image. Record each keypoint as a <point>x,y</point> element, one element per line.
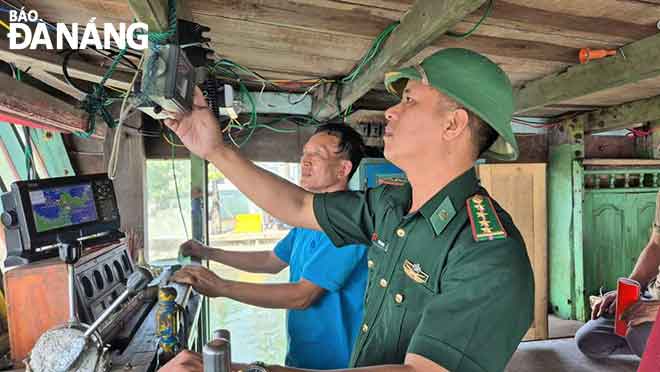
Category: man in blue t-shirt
<point>326,285</point>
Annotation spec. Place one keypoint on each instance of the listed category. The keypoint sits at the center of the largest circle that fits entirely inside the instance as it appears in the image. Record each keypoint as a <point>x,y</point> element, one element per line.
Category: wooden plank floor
<point>561,354</point>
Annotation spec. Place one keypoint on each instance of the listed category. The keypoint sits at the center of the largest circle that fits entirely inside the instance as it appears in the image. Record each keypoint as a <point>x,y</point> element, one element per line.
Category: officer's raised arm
<point>200,133</point>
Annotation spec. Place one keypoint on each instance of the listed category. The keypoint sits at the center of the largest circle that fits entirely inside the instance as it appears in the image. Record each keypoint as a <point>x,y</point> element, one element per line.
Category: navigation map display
<point>58,207</point>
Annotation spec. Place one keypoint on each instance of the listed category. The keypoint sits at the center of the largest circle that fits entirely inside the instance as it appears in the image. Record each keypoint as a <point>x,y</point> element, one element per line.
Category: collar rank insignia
<point>485,223</point>
<point>414,272</point>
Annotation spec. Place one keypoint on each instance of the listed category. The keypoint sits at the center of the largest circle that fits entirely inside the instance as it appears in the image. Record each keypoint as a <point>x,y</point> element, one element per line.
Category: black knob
<point>9,218</point>
<point>70,253</point>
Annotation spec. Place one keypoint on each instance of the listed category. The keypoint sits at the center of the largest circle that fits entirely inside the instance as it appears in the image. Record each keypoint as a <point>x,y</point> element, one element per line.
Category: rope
<point>97,102</point>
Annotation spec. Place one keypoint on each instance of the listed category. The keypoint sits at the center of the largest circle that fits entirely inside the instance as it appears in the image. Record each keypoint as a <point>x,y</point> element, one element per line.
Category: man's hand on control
<point>194,248</point>
<point>202,279</point>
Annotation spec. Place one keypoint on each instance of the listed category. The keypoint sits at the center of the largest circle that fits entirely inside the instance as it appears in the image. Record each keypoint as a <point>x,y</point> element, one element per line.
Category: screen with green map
<point>58,207</point>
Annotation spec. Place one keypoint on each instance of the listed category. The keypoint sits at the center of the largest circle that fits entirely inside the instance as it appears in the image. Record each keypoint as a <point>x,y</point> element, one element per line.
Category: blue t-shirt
<point>322,336</point>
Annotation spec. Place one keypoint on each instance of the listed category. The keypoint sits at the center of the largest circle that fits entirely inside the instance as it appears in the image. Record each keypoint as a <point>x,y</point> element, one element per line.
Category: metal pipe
<point>72,294</point>
<point>107,313</point>
<point>216,357</point>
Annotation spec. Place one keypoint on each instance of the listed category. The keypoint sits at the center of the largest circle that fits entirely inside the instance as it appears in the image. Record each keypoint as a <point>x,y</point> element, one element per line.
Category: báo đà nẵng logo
<point>23,36</point>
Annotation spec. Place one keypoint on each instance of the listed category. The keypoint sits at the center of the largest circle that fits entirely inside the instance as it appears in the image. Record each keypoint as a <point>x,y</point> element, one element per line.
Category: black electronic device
<point>40,214</point>
<point>168,80</point>
<point>190,37</point>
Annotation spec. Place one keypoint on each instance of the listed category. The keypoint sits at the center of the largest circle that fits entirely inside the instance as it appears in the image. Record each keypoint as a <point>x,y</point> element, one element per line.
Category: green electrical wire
<point>476,26</point>
<point>371,53</point>
<point>98,100</point>
<point>229,69</point>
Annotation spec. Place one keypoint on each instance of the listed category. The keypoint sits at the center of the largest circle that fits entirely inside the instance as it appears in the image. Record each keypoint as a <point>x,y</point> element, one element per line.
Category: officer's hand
<point>641,312</point>
<point>202,279</point>
<point>198,130</point>
<point>606,305</point>
<point>194,248</point>
<point>185,361</point>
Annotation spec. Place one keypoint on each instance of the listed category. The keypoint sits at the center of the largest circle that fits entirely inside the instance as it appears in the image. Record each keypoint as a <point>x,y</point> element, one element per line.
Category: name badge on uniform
<point>414,272</point>
<point>378,243</point>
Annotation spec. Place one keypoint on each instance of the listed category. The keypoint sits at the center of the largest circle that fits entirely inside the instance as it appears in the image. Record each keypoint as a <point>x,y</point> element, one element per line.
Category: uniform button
<point>365,328</point>
<point>383,283</point>
<point>401,233</point>
<point>398,298</point>
<point>370,264</point>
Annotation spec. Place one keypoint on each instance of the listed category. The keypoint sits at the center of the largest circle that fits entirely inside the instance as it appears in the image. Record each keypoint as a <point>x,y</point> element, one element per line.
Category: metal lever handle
<point>70,254</point>
<point>216,357</point>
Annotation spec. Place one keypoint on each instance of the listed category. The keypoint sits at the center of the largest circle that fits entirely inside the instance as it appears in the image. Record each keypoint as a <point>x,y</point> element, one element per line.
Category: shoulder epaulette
<point>486,225</point>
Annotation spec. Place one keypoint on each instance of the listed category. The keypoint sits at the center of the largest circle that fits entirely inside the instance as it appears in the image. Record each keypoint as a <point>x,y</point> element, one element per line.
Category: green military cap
<point>476,83</point>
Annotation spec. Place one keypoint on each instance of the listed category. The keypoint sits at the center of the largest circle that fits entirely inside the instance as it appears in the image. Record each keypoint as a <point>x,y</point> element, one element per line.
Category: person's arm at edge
<point>297,296</point>
<point>412,363</point>
<point>646,268</point>
<point>254,262</point>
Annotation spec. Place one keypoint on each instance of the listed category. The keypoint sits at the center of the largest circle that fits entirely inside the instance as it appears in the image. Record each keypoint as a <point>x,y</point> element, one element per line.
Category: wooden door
<point>617,227</point>
<point>521,190</point>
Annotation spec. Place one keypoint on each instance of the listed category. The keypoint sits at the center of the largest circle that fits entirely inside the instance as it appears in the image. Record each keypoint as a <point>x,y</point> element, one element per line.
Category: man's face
<point>322,168</point>
<point>416,124</point>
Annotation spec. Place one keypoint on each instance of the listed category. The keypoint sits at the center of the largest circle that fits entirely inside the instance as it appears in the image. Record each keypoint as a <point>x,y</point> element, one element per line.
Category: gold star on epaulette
<point>485,223</point>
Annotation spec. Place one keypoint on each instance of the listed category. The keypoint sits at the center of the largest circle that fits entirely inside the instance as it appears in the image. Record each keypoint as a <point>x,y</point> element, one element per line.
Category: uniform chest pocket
<point>413,287</point>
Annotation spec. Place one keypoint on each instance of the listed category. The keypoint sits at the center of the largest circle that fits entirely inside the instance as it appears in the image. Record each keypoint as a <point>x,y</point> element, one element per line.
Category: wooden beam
<point>52,63</point>
<point>420,26</point>
<point>155,13</point>
<point>152,12</point>
<point>55,82</point>
<point>622,162</point>
<point>620,116</point>
<point>25,105</point>
<point>634,62</point>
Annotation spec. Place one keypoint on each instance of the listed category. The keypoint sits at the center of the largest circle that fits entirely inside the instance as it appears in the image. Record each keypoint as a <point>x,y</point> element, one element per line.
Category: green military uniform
<point>451,282</point>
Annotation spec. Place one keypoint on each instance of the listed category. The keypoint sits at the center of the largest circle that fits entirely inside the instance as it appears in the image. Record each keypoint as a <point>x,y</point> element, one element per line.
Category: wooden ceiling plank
<point>506,21</point>
<point>560,20</point>
<point>283,61</point>
<point>513,48</point>
<point>327,17</point>
<point>421,25</point>
<point>640,12</point>
<point>639,61</point>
